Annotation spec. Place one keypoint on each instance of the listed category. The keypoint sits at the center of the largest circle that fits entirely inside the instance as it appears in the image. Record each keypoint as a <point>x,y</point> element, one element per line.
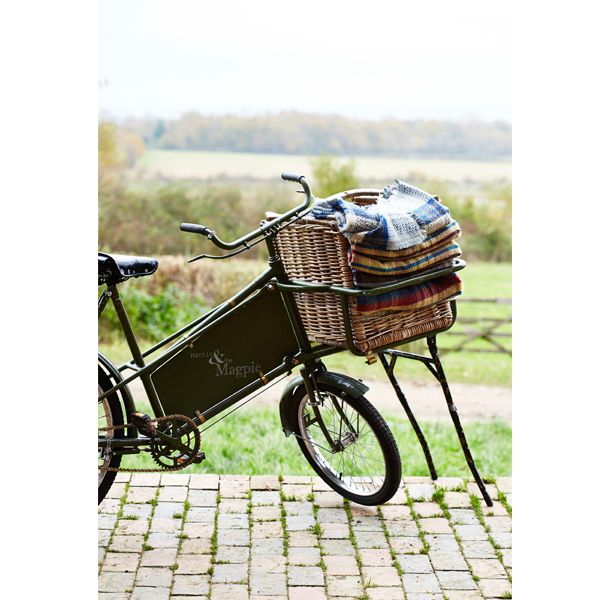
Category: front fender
<point>354,388</point>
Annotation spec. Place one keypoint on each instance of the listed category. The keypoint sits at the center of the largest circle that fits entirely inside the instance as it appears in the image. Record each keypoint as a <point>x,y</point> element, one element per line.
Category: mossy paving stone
<point>125,562</point>
<point>305,576</point>
<point>191,585</point>
<point>153,577</point>
<point>150,593</point>
<point>249,561</point>
<point>304,556</point>
<point>115,582</point>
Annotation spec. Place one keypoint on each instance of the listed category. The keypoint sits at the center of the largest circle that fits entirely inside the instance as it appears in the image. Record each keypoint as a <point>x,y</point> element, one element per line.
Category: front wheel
<point>349,445</point>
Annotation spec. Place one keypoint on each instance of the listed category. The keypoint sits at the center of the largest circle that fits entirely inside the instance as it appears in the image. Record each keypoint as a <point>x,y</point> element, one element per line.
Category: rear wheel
<point>109,415</point>
<point>349,445</point>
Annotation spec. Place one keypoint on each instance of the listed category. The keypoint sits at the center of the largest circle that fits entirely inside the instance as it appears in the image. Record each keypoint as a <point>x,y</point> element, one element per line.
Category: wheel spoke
<point>104,456</point>
<point>359,463</point>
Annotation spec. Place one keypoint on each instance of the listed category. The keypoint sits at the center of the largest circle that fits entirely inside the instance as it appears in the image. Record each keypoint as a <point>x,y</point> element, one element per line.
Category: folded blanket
<point>368,280</point>
<point>389,229</point>
<point>439,238</point>
<point>403,192</point>
<point>431,216</point>
<point>403,266</point>
<point>426,209</point>
<point>401,220</point>
<point>412,297</point>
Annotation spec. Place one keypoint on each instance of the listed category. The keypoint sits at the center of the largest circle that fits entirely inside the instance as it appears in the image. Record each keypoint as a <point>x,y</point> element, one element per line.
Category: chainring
<point>175,458</point>
<point>167,457</point>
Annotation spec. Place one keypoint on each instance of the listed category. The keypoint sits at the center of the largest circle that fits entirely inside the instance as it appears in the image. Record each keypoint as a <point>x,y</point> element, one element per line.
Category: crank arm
<point>123,442</point>
<point>126,451</point>
<point>140,442</point>
<point>171,441</point>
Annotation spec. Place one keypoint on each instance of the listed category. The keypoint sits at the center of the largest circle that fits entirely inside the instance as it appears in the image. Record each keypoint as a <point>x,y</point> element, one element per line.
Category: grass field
<point>182,164</point>
<point>481,280</point>
<point>251,442</point>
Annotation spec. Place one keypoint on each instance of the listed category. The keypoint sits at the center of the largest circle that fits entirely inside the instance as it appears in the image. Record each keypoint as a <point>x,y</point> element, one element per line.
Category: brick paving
<point>231,537</point>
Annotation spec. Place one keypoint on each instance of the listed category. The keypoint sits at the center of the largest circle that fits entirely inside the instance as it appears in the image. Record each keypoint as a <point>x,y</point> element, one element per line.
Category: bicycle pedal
<point>143,423</point>
<point>200,456</point>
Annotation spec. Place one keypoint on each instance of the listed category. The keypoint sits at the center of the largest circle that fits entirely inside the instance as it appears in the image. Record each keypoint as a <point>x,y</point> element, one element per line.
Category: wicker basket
<point>315,251</point>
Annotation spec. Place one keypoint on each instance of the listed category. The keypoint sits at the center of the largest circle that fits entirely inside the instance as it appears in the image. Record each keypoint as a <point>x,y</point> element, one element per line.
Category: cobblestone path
<point>175,536</point>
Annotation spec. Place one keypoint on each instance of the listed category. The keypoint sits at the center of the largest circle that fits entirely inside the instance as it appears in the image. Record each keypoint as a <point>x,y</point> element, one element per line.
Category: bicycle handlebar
<point>291,177</point>
<point>193,228</point>
<point>273,224</point>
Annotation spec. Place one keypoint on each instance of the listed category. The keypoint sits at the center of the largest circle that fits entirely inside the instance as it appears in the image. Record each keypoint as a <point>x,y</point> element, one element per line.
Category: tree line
<point>300,133</point>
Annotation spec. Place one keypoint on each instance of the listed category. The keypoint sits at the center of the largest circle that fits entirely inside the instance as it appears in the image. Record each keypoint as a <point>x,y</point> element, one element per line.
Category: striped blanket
<point>366,281</point>
<point>404,267</point>
<point>406,233</point>
<point>439,238</point>
<point>412,297</point>
<point>393,223</point>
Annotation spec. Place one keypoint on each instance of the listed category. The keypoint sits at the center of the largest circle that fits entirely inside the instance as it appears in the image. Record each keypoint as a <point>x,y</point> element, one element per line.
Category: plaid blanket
<point>412,297</point>
<point>406,266</point>
<point>366,281</point>
<point>403,192</point>
<point>395,222</point>
<point>438,238</point>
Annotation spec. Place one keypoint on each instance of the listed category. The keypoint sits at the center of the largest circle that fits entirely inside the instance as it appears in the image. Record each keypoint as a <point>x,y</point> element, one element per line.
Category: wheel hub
<point>342,443</point>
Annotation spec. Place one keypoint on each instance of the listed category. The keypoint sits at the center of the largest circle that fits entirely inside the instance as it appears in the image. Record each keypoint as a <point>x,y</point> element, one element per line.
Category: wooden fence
<point>473,329</point>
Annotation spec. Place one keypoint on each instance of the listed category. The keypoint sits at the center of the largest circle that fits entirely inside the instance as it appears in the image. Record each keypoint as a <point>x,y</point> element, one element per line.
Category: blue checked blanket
<point>403,217</point>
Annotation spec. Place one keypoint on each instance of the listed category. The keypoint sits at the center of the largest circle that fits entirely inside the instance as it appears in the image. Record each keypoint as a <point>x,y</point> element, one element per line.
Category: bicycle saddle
<point>114,268</point>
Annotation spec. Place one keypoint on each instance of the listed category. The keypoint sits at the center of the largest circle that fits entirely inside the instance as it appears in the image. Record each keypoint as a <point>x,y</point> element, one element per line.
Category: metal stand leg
<point>441,377</point>
<point>389,369</point>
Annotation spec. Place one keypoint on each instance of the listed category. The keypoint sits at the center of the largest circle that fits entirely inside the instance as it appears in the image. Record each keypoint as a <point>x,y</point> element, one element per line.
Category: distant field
<point>180,164</point>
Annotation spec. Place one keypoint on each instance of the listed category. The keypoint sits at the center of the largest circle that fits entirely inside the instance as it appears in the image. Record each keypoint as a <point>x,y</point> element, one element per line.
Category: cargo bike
<point>296,313</point>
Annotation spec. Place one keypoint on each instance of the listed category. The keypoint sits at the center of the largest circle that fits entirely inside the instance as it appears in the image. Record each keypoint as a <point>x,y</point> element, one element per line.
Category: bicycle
<point>209,367</point>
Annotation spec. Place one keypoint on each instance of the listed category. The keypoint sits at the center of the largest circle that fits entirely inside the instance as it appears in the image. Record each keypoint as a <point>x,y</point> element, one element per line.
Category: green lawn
<point>251,442</point>
<point>481,280</point>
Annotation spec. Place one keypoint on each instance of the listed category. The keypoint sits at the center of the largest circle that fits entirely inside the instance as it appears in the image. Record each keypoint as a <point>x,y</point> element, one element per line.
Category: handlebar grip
<point>291,177</point>
<point>193,228</point>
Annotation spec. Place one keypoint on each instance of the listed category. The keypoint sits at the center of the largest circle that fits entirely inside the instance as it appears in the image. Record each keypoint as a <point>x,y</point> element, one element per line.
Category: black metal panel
<point>252,339</point>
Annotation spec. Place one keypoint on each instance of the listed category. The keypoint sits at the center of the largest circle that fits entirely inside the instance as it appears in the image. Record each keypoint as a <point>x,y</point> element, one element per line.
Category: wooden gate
<point>472,329</point>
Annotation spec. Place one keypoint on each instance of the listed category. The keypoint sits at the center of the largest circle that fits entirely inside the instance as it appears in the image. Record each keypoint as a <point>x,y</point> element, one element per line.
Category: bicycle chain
<point>191,423</point>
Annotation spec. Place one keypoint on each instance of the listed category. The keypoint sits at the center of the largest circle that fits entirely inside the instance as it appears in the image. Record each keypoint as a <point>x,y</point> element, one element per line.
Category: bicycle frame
<point>268,282</point>
<point>275,280</point>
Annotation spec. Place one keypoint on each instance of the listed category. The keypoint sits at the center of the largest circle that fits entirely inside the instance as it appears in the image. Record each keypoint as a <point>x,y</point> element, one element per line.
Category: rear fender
<point>115,377</point>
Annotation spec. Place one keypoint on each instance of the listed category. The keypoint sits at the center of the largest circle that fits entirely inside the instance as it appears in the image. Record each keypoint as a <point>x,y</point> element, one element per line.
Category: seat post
<point>135,349</point>
<point>136,353</point>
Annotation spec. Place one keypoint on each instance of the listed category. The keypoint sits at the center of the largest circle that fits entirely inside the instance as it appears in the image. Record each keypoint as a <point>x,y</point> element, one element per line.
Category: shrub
<point>153,315</point>
<point>145,219</point>
<point>331,178</point>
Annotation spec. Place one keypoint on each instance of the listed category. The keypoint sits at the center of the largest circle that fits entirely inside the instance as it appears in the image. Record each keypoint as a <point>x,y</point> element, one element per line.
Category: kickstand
<point>389,369</point>
<point>435,367</point>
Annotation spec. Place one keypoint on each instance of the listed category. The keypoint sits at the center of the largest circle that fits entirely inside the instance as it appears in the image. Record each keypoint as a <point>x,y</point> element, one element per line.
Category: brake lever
<point>222,256</point>
<point>217,257</point>
<point>268,232</point>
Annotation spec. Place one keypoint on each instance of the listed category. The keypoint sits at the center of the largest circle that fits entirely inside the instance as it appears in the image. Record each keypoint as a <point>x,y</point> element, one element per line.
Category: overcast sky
<point>373,59</point>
